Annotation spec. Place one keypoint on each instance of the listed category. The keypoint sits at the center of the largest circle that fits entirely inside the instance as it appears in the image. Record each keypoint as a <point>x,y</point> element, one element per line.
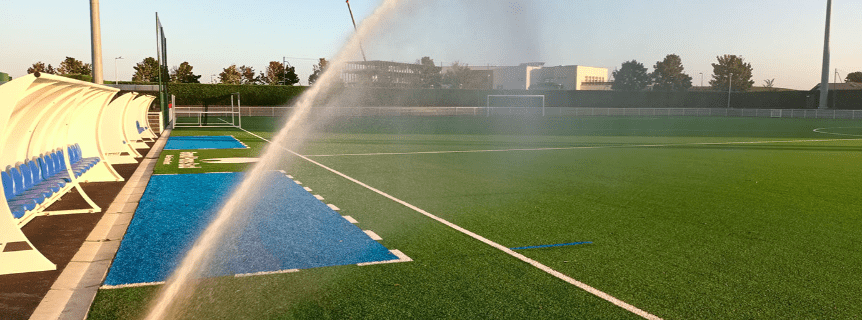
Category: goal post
<point>514,102</point>
<point>212,117</point>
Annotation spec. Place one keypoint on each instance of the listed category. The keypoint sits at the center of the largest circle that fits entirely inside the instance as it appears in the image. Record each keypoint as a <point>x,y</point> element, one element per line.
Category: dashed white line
<point>318,197</point>
<point>372,235</point>
<point>333,207</point>
<point>350,219</point>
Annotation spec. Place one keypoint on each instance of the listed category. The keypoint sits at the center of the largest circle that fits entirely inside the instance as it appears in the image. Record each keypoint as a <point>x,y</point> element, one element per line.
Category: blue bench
<point>140,129</point>
<point>31,183</point>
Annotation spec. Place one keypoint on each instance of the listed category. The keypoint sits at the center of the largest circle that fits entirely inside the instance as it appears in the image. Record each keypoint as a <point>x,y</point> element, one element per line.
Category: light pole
<point>701,81</point>
<point>824,78</point>
<point>116,79</point>
<point>729,87</point>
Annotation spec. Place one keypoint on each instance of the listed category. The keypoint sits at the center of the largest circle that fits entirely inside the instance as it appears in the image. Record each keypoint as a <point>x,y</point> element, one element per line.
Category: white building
<point>536,75</point>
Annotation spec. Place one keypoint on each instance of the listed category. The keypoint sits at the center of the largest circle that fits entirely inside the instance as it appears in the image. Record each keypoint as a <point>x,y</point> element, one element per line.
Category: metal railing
<point>549,111</point>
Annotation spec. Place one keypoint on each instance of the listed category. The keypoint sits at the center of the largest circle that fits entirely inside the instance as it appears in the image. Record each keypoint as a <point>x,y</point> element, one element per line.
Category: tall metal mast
<point>354,28</point>
<point>824,78</point>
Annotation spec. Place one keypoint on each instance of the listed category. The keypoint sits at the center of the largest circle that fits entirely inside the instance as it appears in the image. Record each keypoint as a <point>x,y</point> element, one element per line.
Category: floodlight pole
<point>824,78</point>
<point>701,81</point>
<point>96,44</point>
<point>729,88</point>
<point>354,29</point>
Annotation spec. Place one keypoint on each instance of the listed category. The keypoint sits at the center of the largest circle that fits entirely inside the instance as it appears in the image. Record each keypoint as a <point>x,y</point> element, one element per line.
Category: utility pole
<point>354,29</point>
<point>96,44</point>
<point>824,79</point>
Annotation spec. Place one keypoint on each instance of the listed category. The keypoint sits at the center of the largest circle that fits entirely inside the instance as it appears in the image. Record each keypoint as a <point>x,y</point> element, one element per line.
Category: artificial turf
<point>680,227</point>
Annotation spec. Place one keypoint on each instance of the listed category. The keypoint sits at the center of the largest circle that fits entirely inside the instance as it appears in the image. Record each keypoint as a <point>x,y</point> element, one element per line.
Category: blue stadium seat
<point>8,188</point>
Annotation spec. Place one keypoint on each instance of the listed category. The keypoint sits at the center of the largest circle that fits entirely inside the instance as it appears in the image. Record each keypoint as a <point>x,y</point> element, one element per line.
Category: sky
<point>783,40</point>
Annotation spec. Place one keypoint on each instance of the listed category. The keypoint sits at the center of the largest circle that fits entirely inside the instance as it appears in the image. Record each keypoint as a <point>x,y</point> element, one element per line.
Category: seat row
<point>30,184</point>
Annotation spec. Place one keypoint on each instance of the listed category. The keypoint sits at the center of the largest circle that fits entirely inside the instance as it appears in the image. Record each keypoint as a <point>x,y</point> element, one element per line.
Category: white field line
<point>132,285</point>
<point>821,130</point>
<point>576,148</point>
<point>484,240</point>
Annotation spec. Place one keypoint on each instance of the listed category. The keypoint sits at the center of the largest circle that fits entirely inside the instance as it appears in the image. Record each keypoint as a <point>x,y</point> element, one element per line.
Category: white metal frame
<point>488,101</point>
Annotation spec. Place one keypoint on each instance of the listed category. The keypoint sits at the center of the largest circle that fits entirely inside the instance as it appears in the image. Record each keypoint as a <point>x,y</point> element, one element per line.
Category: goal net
<point>515,104</point>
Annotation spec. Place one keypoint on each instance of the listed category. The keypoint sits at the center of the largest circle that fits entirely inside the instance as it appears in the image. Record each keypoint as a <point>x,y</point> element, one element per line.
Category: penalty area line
<point>534,263</point>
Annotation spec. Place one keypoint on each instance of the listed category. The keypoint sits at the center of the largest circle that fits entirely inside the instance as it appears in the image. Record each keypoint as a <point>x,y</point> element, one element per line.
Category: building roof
<point>841,86</point>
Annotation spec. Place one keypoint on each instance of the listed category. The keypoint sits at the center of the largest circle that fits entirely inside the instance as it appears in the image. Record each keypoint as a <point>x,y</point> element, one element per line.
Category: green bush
<point>251,95</point>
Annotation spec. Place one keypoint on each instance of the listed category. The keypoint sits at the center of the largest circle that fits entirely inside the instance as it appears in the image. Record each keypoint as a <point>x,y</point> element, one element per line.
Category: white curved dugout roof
<point>45,113</point>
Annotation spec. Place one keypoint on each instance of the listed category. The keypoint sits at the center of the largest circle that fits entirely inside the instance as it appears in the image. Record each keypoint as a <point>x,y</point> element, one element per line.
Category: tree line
<point>730,72</point>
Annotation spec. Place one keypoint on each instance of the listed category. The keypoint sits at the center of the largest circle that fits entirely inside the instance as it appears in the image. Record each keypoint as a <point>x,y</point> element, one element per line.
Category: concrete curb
<point>72,294</point>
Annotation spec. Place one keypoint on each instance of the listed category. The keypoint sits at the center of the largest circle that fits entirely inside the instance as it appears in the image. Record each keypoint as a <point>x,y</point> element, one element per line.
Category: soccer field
<point>683,218</point>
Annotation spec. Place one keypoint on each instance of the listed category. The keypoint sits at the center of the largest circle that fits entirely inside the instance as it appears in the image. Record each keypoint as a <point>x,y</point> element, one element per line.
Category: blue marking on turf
<point>288,229</point>
<point>552,245</point>
<point>203,142</point>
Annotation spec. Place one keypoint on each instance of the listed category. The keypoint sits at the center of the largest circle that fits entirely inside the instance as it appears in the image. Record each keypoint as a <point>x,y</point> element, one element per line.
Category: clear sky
<point>781,39</point>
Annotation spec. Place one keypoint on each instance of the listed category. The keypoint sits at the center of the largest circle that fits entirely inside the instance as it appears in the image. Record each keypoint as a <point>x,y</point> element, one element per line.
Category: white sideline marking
<point>263,273</point>
<point>282,171</point>
<point>297,182</point>
<point>318,197</point>
<point>307,189</point>
<point>534,263</point>
<point>372,235</point>
<point>820,130</point>
<point>133,285</point>
<point>350,219</point>
<point>289,176</point>
<point>401,258</point>
<point>582,147</point>
<point>332,206</point>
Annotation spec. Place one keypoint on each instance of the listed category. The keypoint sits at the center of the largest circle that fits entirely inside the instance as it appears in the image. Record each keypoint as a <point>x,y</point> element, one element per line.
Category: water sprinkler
<point>354,29</point>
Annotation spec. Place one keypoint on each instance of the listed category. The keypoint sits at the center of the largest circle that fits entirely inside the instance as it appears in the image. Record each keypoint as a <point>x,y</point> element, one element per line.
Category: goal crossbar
<point>488,100</point>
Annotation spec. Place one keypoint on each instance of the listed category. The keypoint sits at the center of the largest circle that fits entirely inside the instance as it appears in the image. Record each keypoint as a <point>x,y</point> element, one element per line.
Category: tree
<point>274,73</point>
<point>769,84</point>
<point>230,75</point>
<point>248,75</point>
<point>632,76</point>
<point>459,76</point>
<point>731,64</point>
<point>429,73</point>
<point>72,66</point>
<point>290,76</point>
<point>147,71</point>
<point>318,71</point>
<point>183,74</point>
<point>854,77</point>
<point>41,68</point>
<point>668,75</point>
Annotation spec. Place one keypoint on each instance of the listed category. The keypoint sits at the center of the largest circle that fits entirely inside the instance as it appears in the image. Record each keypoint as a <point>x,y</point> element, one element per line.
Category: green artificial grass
<point>679,227</point>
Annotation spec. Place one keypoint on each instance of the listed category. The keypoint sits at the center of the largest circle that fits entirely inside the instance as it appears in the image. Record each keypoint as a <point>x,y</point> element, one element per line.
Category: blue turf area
<point>203,142</point>
<point>287,228</point>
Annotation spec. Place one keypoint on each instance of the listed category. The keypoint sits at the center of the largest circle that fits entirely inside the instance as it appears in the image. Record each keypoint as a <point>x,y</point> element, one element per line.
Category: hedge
<point>252,95</point>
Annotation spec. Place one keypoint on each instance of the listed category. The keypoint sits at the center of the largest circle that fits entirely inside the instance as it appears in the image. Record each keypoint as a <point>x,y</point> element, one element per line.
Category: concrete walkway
<point>72,294</point>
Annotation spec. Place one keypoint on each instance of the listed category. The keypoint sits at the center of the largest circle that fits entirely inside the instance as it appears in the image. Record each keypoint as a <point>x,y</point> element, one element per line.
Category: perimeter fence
<point>478,111</point>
